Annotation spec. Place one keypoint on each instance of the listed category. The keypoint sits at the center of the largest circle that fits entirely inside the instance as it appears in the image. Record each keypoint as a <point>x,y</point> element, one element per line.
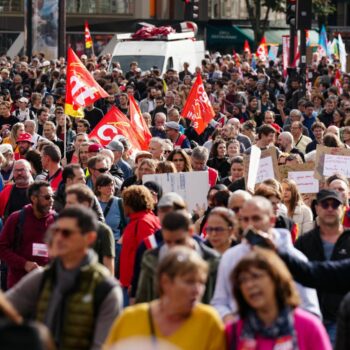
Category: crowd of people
<point>92,255</point>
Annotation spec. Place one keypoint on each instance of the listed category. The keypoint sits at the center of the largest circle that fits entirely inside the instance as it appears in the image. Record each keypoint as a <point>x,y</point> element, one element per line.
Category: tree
<point>258,15</point>
<point>259,11</point>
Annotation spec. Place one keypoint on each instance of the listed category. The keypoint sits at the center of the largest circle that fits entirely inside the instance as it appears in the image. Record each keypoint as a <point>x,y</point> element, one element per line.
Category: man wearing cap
<point>328,241</point>
<point>23,113</point>
<point>119,163</point>
<point>24,143</point>
<point>173,133</point>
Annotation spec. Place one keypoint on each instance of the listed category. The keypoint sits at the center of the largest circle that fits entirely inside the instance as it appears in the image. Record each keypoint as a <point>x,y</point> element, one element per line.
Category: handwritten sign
<point>336,164</point>
<point>192,186</point>
<point>331,160</point>
<point>305,181</point>
<point>265,170</point>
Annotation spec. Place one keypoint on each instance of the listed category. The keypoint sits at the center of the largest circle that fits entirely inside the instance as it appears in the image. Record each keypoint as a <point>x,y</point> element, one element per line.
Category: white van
<point>170,52</point>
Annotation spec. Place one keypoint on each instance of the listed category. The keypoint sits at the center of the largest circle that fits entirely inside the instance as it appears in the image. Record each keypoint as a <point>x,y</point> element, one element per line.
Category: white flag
<point>342,53</point>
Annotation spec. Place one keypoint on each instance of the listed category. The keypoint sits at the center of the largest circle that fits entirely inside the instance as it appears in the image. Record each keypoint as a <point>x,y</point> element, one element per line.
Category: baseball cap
<point>95,147</point>
<point>23,99</point>
<point>172,125</point>
<point>115,145</point>
<point>170,199</point>
<point>25,137</point>
<point>142,154</point>
<point>6,147</point>
<point>328,194</point>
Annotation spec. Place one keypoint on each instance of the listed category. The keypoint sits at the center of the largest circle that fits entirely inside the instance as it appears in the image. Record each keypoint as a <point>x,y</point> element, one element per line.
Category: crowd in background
<point>206,279</point>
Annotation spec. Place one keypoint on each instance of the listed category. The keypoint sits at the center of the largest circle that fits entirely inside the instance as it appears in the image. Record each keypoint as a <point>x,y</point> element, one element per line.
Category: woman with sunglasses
<point>268,308</point>
<point>181,160</point>
<point>113,212</point>
<point>177,317</point>
<point>220,229</point>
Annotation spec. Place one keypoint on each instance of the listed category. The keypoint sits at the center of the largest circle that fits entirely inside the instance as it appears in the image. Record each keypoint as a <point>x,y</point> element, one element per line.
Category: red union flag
<point>262,51</point>
<point>82,89</point>
<point>139,124</point>
<point>198,107</point>
<point>88,38</point>
<point>115,123</point>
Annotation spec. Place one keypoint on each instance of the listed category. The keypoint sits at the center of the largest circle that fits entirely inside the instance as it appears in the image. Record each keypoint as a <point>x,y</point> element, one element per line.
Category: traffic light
<point>304,14</point>
<point>191,9</point>
<point>291,12</point>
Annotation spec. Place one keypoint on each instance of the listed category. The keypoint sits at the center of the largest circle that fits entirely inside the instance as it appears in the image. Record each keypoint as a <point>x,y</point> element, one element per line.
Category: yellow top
<point>203,330</point>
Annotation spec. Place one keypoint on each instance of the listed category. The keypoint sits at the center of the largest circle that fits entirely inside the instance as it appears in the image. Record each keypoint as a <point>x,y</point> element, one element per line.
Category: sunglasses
<point>102,170</point>
<point>65,232</point>
<point>219,230</point>
<point>47,196</point>
<point>327,204</point>
<point>236,209</point>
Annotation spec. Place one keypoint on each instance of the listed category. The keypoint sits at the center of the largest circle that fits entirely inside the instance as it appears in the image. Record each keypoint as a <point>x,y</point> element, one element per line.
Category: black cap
<point>328,194</point>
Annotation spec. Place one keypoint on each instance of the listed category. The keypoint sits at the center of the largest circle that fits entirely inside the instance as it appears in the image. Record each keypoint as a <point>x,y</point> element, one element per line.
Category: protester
<point>268,307</point>
<point>75,270</point>
<point>22,238</point>
<point>184,322</point>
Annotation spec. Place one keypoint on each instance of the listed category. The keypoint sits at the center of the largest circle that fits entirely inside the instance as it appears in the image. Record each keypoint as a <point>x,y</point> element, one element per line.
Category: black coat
<point>311,245</point>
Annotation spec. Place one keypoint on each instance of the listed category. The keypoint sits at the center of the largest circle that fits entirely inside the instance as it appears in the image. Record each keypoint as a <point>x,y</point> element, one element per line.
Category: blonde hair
<point>180,261</point>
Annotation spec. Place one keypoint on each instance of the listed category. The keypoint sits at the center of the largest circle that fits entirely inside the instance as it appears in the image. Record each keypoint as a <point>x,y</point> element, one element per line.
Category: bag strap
<point>151,325</point>
<point>122,222</point>
<point>108,207</point>
<point>19,230</point>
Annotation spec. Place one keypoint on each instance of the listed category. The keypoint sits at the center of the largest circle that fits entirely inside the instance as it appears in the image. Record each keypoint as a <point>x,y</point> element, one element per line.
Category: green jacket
<point>146,288</point>
<point>79,306</point>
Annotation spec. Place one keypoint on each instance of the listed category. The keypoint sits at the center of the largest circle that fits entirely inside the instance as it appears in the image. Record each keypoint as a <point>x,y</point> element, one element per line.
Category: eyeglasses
<point>65,232</point>
<point>209,230</point>
<point>167,151</point>
<point>102,170</point>
<point>46,196</point>
<point>327,204</point>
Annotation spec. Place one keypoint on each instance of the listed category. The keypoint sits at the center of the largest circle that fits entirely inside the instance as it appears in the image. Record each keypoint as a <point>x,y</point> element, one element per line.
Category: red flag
<point>261,51</point>
<point>198,107</point>
<point>139,124</point>
<point>88,38</point>
<point>337,81</point>
<point>82,89</point>
<point>246,47</point>
<point>112,124</point>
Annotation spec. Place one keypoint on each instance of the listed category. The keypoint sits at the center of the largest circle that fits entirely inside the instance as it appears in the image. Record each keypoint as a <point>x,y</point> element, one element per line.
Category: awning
<point>233,36</point>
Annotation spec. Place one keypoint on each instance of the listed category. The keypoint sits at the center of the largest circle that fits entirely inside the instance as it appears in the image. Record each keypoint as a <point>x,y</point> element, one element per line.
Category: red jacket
<point>141,225</point>
<point>4,198</point>
<point>33,231</point>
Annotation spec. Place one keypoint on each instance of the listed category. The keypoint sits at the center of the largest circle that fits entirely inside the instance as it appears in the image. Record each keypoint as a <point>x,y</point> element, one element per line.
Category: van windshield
<point>144,62</point>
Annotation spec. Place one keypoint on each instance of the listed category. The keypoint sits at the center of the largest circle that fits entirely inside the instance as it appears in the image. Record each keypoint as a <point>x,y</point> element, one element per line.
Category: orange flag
<point>139,124</point>
<point>115,123</point>
<point>82,89</point>
<point>88,38</point>
<point>262,51</point>
<point>198,107</point>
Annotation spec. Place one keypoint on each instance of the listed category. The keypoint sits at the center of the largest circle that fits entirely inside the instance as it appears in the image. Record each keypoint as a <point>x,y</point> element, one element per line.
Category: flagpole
<point>65,139</point>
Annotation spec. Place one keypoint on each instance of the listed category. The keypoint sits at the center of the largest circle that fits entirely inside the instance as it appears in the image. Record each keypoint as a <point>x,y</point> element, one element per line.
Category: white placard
<point>305,181</point>
<point>336,164</point>
<point>265,170</point>
<point>192,186</point>
<point>253,168</point>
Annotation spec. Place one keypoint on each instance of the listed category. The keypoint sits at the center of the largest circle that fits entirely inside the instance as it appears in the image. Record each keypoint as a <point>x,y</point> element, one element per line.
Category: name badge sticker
<point>40,249</point>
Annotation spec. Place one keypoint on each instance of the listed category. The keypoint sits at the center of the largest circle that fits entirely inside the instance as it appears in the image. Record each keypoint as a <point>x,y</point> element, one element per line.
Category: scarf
<point>282,330</point>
